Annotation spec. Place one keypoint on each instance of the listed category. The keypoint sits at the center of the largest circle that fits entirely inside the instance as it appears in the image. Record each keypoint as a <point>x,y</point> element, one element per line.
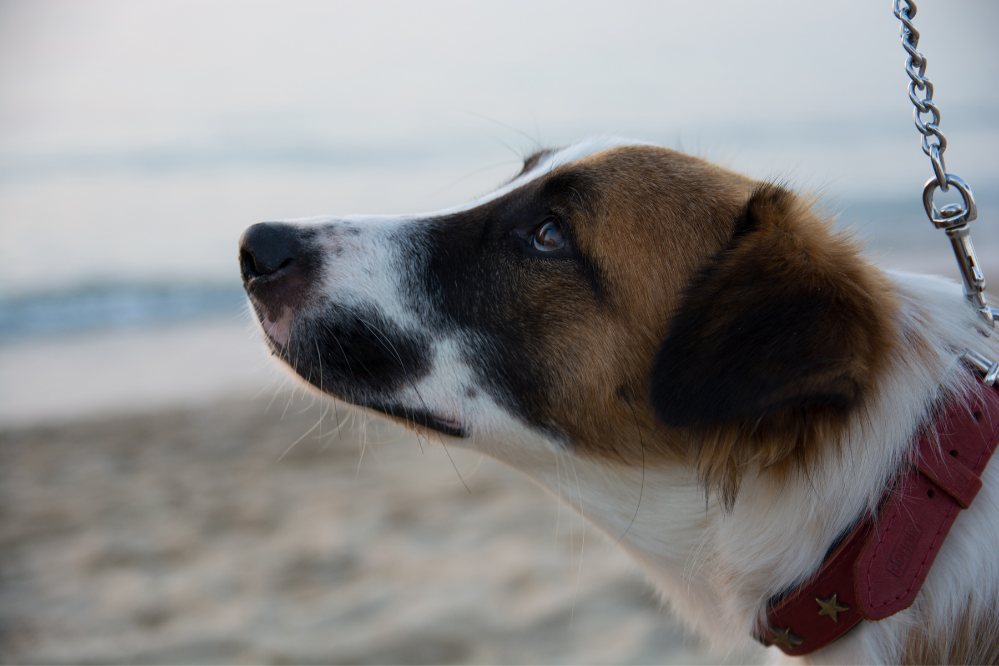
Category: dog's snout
<point>266,248</point>
<point>276,263</point>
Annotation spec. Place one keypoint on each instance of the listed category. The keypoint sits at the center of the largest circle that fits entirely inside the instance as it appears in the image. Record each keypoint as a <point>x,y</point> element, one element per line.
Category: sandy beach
<point>199,534</point>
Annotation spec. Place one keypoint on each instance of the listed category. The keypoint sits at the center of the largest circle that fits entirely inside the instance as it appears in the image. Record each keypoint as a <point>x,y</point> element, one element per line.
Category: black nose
<point>266,248</point>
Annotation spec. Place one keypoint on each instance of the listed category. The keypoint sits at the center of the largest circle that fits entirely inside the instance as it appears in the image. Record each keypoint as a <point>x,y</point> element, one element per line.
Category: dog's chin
<point>422,419</point>
<point>419,419</point>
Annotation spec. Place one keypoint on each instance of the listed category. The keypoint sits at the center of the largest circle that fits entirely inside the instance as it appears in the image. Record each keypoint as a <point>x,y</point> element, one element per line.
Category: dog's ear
<point>785,322</point>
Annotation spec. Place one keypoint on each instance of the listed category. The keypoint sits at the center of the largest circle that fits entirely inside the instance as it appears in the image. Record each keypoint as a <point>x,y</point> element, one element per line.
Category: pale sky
<point>168,126</point>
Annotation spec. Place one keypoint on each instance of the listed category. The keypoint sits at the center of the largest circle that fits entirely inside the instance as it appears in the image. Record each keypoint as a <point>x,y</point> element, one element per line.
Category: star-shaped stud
<point>786,638</point>
<point>831,607</point>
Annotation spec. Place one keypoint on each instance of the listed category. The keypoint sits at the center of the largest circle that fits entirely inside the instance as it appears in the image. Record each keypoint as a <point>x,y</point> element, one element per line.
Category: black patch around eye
<point>477,274</point>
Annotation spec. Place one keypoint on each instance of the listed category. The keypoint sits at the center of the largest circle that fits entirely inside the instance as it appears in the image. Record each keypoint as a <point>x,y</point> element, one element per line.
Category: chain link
<point>955,219</point>
<point>934,142</point>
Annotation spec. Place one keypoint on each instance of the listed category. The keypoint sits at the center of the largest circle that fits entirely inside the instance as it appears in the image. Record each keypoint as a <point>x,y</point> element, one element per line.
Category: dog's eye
<point>549,237</point>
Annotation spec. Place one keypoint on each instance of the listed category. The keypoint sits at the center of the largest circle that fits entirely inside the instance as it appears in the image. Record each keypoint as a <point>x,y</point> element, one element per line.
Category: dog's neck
<point>718,567</point>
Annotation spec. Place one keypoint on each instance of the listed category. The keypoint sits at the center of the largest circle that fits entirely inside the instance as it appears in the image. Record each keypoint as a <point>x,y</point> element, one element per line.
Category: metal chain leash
<point>955,218</point>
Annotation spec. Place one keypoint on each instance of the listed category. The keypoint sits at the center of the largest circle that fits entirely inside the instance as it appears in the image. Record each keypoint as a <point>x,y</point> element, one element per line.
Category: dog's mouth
<point>419,417</point>
<point>278,332</point>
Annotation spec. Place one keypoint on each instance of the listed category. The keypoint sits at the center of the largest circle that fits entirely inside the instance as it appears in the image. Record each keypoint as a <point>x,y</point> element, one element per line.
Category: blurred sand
<point>112,372</point>
<point>185,537</point>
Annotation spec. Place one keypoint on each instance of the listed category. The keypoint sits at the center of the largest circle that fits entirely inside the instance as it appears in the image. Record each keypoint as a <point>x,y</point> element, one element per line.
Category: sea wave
<point>115,306</point>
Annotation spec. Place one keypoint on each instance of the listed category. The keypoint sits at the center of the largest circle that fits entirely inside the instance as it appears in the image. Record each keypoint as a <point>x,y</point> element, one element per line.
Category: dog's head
<point>625,302</point>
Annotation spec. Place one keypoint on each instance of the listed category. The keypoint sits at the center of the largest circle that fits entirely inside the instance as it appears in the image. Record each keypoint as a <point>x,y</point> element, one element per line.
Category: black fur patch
<point>755,334</point>
<point>486,280</point>
<point>357,355</point>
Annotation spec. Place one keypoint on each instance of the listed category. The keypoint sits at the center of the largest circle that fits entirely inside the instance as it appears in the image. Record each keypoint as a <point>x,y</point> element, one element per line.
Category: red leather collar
<point>879,567</point>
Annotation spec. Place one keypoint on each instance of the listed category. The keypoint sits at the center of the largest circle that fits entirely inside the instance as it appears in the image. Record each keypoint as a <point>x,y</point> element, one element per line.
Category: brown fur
<point>827,341</point>
<point>646,229</point>
<point>657,221</point>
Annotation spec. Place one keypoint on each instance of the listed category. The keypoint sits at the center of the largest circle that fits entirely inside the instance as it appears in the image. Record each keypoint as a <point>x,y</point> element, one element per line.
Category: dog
<point>735,385</point>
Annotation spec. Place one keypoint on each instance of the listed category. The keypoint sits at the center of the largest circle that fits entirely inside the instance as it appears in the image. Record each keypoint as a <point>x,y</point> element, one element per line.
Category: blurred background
<point>166,496</point>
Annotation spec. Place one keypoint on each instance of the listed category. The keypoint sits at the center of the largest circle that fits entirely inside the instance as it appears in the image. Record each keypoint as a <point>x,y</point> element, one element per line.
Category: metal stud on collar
<point>954,219</point>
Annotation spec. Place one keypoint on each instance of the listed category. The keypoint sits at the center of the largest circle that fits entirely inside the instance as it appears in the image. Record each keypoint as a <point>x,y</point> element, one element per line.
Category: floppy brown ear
<point>787,320</point>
